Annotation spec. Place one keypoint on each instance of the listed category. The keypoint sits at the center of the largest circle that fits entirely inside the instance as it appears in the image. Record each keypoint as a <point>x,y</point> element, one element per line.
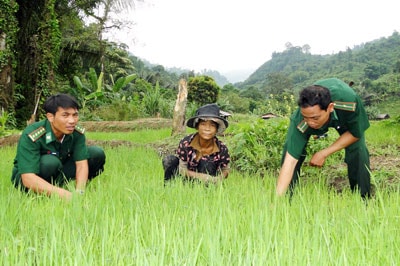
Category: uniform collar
<point>334,115</point>
<point>303,127</point>
<point>332,121</point>
<point>50,137</point>
<point>49,133</point>
<point>333,118</point>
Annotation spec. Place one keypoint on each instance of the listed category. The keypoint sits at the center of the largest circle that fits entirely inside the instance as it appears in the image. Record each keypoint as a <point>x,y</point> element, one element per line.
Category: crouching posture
<point>53,151</point>
<point>327,103</point>
<point>201,156</point>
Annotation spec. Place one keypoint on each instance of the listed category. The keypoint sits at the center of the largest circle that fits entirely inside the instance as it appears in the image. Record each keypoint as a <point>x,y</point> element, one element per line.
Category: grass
<point>383,133</point>
<point>128,217</point>
<point>142,137</point>
<point>390,106</point>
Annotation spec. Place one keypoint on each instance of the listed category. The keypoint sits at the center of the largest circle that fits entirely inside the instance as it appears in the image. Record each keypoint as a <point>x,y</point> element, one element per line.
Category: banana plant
<point>119,84</point>
<point>91,91</point>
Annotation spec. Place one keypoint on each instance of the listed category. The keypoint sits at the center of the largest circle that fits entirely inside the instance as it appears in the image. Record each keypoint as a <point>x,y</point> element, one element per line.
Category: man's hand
<point>39,185</point>
<point>64,194</point>
<point>345,140</point>
<point>318,159</point>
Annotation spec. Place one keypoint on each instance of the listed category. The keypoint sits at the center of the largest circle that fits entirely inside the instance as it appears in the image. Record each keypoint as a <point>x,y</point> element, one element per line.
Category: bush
<point>257,147</point>
<point>372,112</point>
<point>116,111</point>
<point>3,121</point>
<point>281,105</point>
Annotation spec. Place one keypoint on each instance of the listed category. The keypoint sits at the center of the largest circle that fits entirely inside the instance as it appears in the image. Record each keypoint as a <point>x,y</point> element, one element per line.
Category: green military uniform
<point>348,115</point>
<point>41,153</point>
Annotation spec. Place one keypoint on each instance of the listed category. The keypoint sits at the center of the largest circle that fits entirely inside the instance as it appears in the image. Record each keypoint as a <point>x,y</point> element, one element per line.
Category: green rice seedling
<point>383,133</point>
<point>128,217</point>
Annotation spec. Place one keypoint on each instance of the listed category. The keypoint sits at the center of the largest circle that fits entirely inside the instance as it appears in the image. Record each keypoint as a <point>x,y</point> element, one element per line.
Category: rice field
<point>128,217</point>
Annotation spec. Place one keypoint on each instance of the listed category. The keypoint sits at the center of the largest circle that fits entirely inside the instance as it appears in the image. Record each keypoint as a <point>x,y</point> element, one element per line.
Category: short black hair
<point>315,95</point>
<point>62,100</point>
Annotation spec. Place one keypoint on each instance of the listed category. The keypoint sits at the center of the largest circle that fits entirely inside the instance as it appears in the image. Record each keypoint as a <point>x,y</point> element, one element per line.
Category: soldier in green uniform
<point>53,151</point>
<point>327,103</point>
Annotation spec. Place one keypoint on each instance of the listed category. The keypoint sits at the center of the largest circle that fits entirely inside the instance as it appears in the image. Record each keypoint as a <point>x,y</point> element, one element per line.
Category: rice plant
<point>128,217</point>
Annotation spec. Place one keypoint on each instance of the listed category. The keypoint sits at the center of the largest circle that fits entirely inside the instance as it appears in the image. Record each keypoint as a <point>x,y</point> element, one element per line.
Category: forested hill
<point>378,60</point>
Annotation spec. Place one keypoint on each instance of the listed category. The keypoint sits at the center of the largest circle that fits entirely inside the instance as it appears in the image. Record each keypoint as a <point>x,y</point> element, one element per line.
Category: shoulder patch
<point>302,126</point>
<point>80,129</point>
<point>346,106</point>
<point>37,133</point>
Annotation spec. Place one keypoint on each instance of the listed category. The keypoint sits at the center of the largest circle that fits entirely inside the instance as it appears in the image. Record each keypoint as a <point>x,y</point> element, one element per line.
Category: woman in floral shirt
<point>201,156</point>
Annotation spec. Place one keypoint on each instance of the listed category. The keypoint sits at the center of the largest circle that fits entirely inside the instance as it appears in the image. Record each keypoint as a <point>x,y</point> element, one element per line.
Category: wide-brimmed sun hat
<point>208,112</point>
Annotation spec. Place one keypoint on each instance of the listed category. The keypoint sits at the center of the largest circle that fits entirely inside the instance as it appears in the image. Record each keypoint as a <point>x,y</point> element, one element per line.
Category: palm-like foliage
<point>90,91</point>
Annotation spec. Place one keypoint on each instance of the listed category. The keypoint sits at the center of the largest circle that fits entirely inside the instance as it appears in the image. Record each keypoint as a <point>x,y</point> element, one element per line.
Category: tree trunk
<point>28,60</point>
<point>178,123</point>
<point>38,50</point>
<point>6,88</point>
<point>8,36</point>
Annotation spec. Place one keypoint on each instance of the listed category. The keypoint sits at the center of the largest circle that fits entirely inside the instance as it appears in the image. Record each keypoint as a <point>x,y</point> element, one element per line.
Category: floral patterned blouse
<point>187,153</point>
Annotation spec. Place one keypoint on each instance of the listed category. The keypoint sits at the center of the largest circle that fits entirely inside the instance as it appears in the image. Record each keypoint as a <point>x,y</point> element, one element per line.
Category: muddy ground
<point>387,164</point>
<point>107,126</point>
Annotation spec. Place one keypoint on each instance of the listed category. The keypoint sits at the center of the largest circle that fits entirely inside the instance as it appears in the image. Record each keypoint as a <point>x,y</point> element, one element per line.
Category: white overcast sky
<point>231,35</point>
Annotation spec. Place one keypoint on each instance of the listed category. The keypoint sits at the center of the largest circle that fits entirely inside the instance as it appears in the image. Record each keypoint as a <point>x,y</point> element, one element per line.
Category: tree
<point>374,71</point>
<point>253,93</point>
<point>178,122</point>
<point>90,91</point>
<point>202,90</point>
<point>105,22</point>
<point>306,48</point>
<point>39,30</point>
<point>233,102</point>
<point>278,83</point>
<point>8,33</point>
<point>38,43</point>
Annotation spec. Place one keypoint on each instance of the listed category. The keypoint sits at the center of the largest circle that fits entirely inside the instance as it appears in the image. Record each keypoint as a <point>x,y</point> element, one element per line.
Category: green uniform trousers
<point>55,172</point>
<point>358,168</point>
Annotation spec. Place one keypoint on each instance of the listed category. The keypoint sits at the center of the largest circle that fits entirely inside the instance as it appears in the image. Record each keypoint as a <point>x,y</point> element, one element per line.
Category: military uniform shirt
<point>348,115</point>
<point>38,139</point>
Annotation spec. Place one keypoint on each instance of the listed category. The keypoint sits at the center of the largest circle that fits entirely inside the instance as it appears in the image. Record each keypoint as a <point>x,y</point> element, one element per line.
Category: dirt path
<point>122,126</point>
<point>107,126</point>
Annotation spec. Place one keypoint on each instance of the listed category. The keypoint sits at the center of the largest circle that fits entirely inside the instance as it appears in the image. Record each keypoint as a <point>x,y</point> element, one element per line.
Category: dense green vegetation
<point>366,64</point>
<point>128,217</point>
<point>373,67</point>
<point>59,52</point>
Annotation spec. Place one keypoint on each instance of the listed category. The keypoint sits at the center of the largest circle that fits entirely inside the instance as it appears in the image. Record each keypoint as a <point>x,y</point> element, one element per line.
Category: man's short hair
<point>315,95</point>
<point>62,100</point>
